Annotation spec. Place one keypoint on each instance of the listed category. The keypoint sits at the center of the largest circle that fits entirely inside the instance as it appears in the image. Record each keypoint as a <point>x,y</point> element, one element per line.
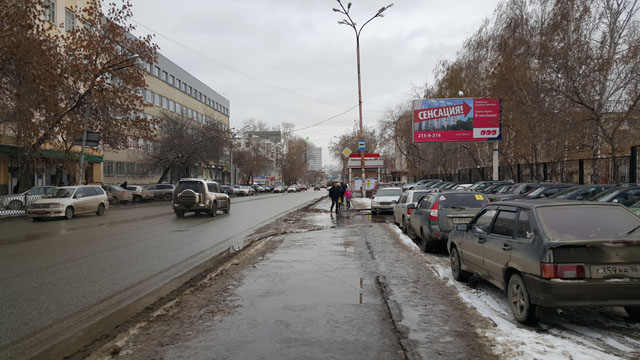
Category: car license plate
<point>460,220</point>
<point>607,271</point>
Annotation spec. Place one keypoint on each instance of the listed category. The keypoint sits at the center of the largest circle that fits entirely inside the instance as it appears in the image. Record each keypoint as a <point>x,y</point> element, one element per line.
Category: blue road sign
<point>361,146</point>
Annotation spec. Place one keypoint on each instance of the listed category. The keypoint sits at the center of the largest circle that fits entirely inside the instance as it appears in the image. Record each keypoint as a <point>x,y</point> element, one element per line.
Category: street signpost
<point>361,145</point>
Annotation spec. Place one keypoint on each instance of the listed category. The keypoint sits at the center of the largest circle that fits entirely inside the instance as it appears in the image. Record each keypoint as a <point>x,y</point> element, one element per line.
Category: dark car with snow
<point>553,253</point>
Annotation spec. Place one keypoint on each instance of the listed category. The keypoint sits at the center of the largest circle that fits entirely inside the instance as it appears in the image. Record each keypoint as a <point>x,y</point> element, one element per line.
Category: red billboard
<point>461,119</point>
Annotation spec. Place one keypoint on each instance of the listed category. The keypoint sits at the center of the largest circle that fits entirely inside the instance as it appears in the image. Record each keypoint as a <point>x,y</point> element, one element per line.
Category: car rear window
<point>389,192</point>
<point>191,185</point>
<point>470,200</point>
<point>586,222</point>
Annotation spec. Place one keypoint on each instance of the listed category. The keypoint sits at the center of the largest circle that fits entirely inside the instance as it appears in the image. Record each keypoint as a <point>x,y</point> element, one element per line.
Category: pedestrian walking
<point>334,194</point>
<point>124,185</point>
<point>348,196</point>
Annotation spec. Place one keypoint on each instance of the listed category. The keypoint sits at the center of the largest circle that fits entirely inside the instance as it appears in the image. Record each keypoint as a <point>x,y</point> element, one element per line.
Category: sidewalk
<point>334,287</point>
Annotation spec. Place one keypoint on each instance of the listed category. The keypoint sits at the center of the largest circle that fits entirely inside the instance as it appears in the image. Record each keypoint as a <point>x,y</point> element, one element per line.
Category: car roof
<point>548,203</point>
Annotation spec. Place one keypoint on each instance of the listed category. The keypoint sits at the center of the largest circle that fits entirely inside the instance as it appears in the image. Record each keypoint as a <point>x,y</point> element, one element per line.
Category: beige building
<point>170,89</point>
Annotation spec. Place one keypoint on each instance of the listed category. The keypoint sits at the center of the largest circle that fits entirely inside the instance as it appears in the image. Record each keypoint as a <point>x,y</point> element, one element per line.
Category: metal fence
<point>11,205</point>
<point>622,169</point>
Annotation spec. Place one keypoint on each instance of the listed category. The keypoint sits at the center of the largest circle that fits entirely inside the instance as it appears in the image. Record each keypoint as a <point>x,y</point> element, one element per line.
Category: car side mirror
<point>615,201</point>
<point>462,227</point>
<point>411,206</point>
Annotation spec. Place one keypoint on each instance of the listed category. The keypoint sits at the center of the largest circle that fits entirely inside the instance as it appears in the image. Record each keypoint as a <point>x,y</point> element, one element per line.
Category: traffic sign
<point>361,146</point>
<point>346,152</point>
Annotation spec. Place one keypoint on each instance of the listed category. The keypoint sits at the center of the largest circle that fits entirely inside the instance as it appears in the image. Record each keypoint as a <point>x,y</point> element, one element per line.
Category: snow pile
<point>513,340</point>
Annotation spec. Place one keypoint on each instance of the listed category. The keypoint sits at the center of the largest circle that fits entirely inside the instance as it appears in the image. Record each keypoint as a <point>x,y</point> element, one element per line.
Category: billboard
<point>461,119</point>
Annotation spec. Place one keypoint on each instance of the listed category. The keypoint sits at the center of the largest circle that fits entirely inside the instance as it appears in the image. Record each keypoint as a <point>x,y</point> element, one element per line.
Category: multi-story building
<point>268,144</point>
<point>173,90</point>
<point>169,88</point>
<point>314,157</point>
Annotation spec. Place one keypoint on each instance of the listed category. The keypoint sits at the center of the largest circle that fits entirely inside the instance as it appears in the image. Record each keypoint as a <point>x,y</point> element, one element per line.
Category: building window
<point>172,79</point>
<point>131,168</point>
<point>50,11</point>
<point>178,83</point>
<point>165,103</point>
<point>184,86</point>
<point>178,108</point>
<point>164,75</point>
<point>119,168</point>
<point>148,96</point>
<point>108,167</point>
<point>156,99</point>
<point>199,96</point>
<point>156,71</point>
<point>147,67</point>
<point>190,90</point>
<point>172,106</point>
<point>69,20</point>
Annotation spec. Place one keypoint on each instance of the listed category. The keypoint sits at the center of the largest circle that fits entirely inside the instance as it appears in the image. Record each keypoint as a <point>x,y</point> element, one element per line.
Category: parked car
<point>581,192</point>
<point>385,199</point>
<point>68,201</point>
<point>278,189</point>
<point>139,193</point>
<point>626,196</point>
<point>552,253</point>
<point>117,195</point>
<point>380,185</point>
<point>481,185</point>
<point>544,191</point>
<point>316,187</point>
<point>438,213</point>
<point>17,201</point>
<point>198,195</point>
<point>162,191</point>
<point>292,188</point>
<point>401,214</point>
<point>513,191</point>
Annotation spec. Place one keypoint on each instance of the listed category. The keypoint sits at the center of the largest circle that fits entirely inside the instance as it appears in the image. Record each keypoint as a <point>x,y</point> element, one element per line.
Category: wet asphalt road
<point>58,277</point>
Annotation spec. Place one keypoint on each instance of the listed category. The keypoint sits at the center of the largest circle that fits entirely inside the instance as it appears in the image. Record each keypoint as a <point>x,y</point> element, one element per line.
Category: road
<point>58,278</point>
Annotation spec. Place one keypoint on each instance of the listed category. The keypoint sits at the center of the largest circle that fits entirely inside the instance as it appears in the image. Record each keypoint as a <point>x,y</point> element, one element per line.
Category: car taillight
<point>433,214</point>
<point>409,211</point>
<point>123,194</point>
<point>562,271</point>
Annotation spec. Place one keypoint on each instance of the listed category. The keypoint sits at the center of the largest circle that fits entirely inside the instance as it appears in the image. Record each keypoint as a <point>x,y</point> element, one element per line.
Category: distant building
<point>314,157</point>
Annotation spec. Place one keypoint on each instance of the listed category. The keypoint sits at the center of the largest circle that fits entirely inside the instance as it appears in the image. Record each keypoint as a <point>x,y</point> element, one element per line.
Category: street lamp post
<point>349,21</point>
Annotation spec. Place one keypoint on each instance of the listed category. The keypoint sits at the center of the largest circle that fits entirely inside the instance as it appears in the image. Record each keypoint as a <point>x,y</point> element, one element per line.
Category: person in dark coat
<point>334,194</point>
<point>124,185</point>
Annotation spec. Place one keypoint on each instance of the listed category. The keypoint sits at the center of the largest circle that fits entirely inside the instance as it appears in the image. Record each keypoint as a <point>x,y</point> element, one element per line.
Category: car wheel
<point>374,212</point>
<point>226,211</point>
<point>68,213</point>
<point>521,307</point>
<point>100,209</point>
<point>634,312</point>
<point>214,209</point>
<point>179,213</point>
<point>404,225</point>
<point>456,267</point>
<point>167,197</point>
<point>137,198</point>
<point>115,201</point>
<point>423,242</point>
<point>15,205</point>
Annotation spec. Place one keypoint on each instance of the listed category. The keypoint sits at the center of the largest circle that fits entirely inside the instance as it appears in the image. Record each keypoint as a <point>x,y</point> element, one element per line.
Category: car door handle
<point>482,240</point>
<point>506,247</point>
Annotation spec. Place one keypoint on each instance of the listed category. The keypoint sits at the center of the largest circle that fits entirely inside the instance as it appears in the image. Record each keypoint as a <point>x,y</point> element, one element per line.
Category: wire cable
<point>242,73</point>
<point>325,120</point>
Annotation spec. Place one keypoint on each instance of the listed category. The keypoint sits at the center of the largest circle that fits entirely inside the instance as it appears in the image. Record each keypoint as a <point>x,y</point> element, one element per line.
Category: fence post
<point>545,172</point>
<point>633,165</point>
<point>581,171</point>
<point>519,176</point>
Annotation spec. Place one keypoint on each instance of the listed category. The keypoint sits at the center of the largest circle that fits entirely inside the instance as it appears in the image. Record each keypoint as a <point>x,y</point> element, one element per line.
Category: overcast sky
<point>290,61</point>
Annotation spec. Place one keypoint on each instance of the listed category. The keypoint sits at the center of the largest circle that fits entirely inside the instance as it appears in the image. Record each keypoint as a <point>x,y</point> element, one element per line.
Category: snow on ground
<point>558,339</point>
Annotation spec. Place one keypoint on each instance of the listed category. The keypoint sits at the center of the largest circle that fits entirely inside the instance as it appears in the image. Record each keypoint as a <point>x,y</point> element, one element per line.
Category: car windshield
<point>60,193</point>
<point>470,200</point>
<point>535,193</point>
<point>584,222</point>
<point>389,192</point>
<point>568,193</point>
<point>608,195</point>
<point>417,195</point>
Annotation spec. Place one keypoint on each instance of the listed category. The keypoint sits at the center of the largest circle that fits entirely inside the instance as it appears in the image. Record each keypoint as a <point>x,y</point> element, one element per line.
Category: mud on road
<point>304,270</point>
